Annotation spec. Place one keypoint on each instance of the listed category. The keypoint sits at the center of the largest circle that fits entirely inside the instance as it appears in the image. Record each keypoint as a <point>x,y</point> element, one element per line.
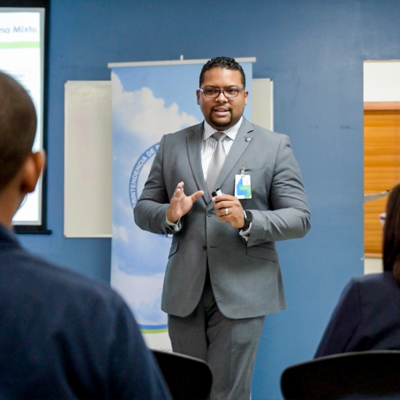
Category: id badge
<point>242,186</point>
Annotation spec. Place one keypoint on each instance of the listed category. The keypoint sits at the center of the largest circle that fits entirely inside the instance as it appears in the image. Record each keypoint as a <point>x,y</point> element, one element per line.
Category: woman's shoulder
<point>371,285</point>
<point>376,279</point>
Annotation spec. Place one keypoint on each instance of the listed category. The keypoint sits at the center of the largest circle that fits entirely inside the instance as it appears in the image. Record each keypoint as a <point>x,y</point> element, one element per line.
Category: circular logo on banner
<point>137,168</point>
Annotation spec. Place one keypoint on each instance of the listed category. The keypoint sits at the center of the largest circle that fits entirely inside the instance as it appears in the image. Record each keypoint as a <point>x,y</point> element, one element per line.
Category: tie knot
<point>218,136</point>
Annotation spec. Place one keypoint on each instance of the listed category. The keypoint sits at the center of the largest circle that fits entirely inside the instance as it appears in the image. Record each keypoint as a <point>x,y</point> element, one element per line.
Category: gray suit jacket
<point>245,276</point>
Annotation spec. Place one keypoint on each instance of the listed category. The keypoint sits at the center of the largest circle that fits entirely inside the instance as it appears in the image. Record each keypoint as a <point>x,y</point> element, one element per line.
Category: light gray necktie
<point>216,162</point>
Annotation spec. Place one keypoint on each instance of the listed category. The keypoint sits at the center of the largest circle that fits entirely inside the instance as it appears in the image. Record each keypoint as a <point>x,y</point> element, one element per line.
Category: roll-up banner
<point>148,100</point>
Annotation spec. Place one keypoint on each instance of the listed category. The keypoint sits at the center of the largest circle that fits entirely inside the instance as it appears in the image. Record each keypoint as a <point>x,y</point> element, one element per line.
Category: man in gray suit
<point>223,275</point>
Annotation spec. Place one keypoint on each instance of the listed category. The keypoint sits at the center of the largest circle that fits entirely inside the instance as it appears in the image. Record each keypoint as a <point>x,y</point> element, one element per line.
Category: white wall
<point>372,265</point>
<point>382,80</point>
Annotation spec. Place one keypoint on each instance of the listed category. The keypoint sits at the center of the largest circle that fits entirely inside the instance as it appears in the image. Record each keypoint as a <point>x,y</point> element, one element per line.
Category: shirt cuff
<point>175,227</point>
<point>245,234</point>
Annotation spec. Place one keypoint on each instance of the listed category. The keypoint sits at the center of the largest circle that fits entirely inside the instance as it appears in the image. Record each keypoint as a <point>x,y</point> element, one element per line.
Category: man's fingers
<point>178,190</point>
<point>223,197</point>
<point>227,204</point>
<point>195,196</point>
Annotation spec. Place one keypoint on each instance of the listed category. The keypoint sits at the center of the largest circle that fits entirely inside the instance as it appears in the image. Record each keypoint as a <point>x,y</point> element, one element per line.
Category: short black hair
<point>222,62</point>
<point>17,127</point>
<point>391,233</point>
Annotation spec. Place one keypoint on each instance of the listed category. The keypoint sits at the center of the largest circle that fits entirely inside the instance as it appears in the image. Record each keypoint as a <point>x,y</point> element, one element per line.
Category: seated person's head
<point>20,168</point>
<point>391,234</point>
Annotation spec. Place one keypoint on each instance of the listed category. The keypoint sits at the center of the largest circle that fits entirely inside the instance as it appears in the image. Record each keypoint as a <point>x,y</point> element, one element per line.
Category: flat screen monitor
<point>22,55</point>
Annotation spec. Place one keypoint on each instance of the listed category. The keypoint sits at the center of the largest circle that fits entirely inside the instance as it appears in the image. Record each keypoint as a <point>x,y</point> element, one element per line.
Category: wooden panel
<point>382,105</point>
<point>381,169</point>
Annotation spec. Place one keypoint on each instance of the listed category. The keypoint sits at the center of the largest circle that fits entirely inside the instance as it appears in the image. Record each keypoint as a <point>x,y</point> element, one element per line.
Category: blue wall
<point>314,51</point>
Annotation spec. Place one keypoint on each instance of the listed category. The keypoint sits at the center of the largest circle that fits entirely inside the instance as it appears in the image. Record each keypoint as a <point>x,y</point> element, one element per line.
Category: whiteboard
<point>262,103</point>
<point>88,159</point>
<point>88,152</point>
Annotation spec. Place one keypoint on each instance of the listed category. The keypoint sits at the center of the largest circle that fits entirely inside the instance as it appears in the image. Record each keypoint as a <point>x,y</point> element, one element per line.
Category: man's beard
<point>221,124</point>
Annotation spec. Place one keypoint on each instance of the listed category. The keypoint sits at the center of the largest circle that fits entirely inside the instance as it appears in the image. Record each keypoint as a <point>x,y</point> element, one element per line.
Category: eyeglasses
<point>229,93</point>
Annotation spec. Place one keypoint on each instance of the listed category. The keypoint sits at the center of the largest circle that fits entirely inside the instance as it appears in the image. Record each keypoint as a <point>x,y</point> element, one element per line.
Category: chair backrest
<point>187,377</point>
<point>369,374</point>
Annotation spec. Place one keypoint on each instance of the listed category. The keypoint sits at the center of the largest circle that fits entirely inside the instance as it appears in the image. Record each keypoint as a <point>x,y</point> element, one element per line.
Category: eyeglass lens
<point>229,93</point>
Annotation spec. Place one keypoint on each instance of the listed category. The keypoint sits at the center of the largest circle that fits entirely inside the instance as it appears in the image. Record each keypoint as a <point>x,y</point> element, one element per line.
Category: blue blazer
<point>367,317</point>
<point>63,336</point>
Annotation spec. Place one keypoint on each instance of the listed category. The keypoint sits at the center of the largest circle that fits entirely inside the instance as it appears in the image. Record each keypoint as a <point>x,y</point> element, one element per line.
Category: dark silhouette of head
<point>20,167</point>
<point>17,128</point>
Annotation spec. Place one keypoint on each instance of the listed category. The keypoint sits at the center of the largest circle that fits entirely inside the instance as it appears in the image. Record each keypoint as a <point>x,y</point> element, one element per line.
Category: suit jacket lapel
<point>242,140</point>
<point>193,141</point>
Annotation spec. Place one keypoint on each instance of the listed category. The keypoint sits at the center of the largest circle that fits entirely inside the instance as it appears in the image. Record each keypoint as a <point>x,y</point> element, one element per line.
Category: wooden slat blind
<point>381,167</point>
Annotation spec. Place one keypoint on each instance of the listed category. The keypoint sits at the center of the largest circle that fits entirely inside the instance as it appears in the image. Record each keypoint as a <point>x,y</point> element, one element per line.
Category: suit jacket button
<point>204,247</point>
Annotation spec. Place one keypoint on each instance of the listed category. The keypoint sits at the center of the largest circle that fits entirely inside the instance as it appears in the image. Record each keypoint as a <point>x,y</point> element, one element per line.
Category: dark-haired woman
<point>367,316</point>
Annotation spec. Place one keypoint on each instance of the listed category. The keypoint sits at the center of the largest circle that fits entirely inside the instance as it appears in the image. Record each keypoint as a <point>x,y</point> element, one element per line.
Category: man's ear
<point>246,97</point>
<point>31,170</point>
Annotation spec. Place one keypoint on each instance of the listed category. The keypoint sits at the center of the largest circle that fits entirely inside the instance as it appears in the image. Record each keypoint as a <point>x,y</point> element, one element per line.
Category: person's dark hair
<point>222,62</point>
<point>17,127</point>
<point>391,234</point>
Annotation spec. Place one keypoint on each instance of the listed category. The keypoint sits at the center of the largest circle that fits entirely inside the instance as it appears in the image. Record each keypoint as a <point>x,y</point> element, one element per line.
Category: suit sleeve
<point>151,208</point>
<point>288,216</point>
<point>341,332</point>
<point>134,370</point>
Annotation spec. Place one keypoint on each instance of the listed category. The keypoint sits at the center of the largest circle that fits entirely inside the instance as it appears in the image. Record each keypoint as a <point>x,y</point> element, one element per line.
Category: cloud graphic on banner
<point>149,313</point>
<point>137,256</point>
<point>120,232</point>
<point>143,294</point>
<point>140,112</point>
<point>124,210</point>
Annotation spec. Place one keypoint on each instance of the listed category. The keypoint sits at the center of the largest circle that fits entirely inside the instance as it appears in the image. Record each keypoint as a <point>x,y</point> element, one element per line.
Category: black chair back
<point>361,375</point>
<point>188,378</point>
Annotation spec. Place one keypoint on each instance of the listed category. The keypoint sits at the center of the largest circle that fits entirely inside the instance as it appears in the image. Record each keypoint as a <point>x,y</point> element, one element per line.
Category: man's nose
<point>221,96</point>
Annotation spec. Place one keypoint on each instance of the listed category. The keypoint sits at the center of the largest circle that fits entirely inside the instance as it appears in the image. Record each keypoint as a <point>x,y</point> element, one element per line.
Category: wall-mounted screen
<point>22,55</point>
